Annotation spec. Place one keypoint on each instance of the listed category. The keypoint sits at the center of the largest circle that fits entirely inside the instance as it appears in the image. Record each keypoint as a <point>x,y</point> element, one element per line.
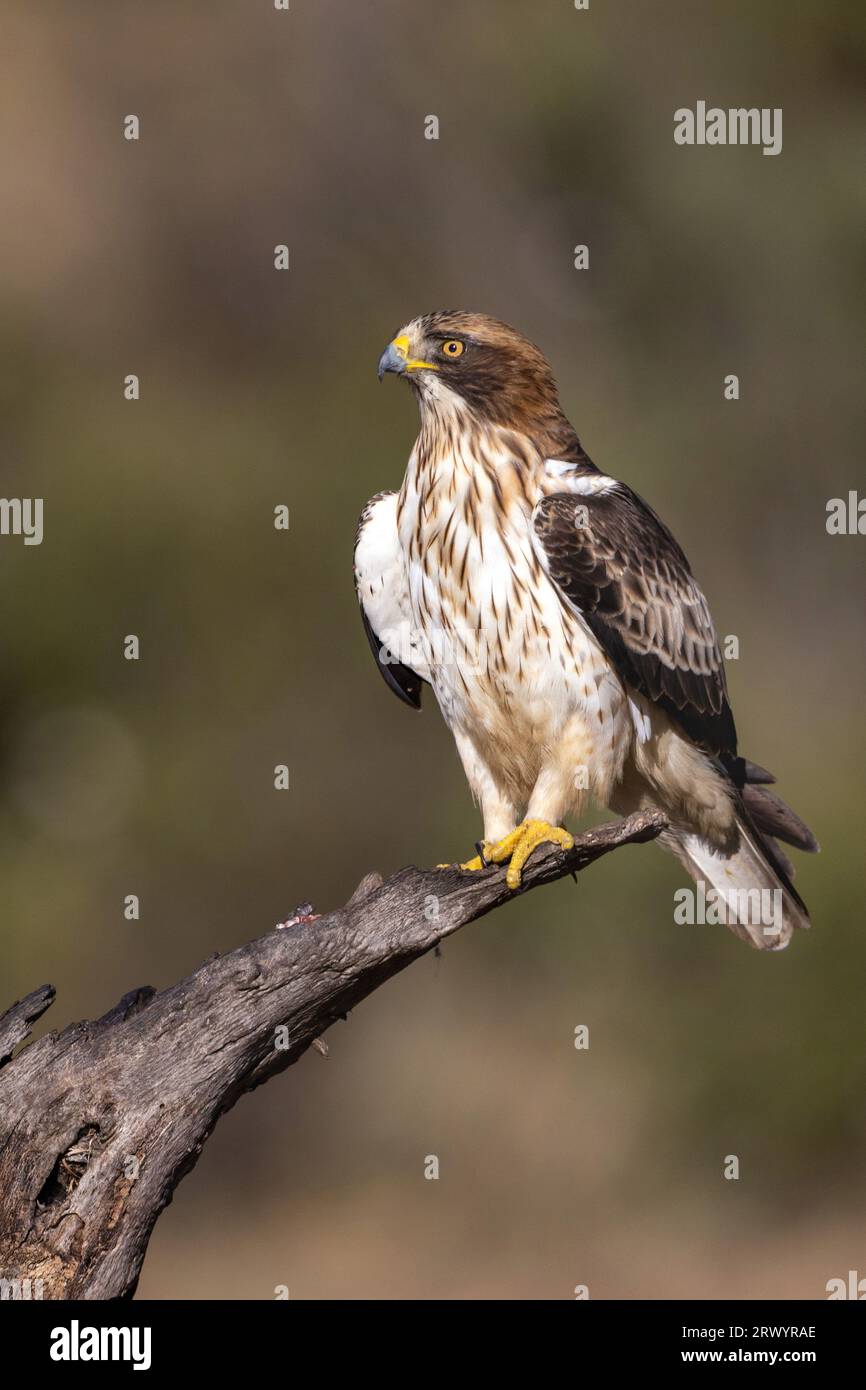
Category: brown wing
<point>617,563</point>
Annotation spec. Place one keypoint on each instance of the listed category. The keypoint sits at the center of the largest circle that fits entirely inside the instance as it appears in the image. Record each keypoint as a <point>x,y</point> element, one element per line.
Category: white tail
<point>760,906</point>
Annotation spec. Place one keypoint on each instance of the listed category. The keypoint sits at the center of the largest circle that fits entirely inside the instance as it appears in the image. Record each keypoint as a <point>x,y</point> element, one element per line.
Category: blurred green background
<point>558,1167</point>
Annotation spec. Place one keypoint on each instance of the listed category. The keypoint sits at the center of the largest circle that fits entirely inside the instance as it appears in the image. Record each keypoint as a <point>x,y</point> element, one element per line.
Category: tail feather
<point>754,891</point>
<point>777,857</point>
<point>756,896</point>
<point>772,817</point>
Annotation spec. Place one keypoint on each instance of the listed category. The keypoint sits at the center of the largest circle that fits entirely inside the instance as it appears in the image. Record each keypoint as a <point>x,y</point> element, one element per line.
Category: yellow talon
<point>518,846</point>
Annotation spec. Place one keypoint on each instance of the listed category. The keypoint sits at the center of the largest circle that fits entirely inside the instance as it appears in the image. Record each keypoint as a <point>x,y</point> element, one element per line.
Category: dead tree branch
<point>99,1123</point>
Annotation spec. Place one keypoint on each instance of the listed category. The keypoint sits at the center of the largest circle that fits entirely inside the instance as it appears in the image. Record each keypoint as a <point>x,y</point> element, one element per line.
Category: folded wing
<point>380,583</point>
<point>616,562</point>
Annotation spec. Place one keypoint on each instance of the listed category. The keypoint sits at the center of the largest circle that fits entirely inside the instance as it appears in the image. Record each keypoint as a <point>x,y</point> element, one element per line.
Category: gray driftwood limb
<point>99,1123</point>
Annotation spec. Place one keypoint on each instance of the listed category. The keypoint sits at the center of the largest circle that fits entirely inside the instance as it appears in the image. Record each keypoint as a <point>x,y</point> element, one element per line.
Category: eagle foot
<point>519,845</point>
<point>516,847</point>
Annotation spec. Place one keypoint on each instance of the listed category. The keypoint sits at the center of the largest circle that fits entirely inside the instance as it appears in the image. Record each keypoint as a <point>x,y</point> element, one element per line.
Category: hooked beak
<point>396,358</point>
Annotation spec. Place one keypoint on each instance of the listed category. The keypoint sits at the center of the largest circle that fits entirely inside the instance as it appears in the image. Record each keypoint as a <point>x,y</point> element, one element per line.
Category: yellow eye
<point>453,348</point>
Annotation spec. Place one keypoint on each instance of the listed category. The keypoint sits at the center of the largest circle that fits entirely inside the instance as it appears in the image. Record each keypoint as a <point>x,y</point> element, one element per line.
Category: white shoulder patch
<point>582,484</point>
<point>558,468</point>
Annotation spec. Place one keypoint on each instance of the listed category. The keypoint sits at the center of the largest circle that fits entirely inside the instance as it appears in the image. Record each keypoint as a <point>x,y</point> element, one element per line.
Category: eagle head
<point>460,360</point>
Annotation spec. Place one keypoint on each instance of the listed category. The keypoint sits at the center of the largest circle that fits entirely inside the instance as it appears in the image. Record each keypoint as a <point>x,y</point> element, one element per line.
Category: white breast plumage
<point>513,668</point>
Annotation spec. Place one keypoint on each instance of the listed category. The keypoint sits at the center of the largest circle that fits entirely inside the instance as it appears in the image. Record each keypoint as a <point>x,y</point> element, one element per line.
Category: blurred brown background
<point>258,127</point>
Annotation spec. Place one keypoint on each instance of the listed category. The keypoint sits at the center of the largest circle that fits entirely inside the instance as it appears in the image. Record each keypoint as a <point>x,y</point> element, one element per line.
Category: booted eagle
<point>560,627</point>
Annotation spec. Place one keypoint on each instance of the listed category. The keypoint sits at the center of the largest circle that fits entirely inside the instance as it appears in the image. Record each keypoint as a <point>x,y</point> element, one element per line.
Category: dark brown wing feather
<point>616,561</point>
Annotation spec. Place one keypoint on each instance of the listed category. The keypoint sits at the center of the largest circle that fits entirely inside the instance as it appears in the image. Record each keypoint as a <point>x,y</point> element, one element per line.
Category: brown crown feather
<point>503,377</point>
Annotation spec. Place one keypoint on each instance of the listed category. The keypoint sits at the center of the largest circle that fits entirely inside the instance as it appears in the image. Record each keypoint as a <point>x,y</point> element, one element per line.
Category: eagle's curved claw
<point>480,861</point>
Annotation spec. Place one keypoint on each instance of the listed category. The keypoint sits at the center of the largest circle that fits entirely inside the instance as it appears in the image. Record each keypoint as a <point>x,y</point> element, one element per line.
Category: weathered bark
<point>99,1123</point>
